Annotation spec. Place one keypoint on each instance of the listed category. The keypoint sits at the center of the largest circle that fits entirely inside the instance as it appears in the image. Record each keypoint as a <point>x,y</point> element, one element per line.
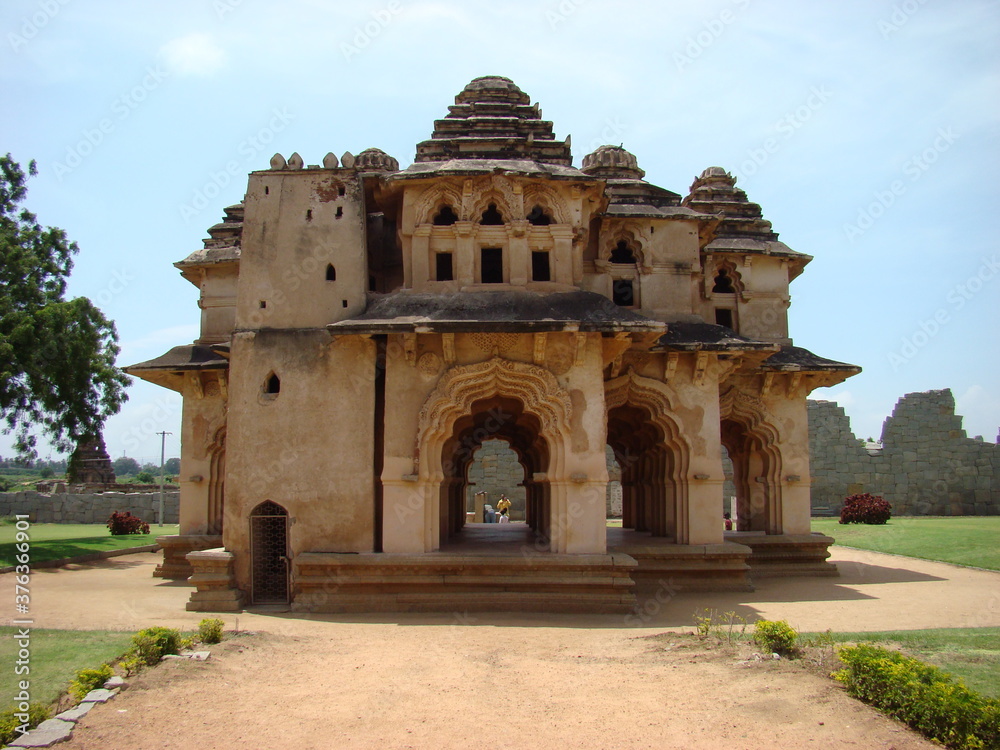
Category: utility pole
<point>163,447</point>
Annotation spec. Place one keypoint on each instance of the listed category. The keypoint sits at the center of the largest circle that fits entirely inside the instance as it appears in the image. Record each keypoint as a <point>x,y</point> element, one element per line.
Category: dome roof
<point>492,119</point>
<point>375,160</point>
<point>612,161</point>
<point>492,89</point>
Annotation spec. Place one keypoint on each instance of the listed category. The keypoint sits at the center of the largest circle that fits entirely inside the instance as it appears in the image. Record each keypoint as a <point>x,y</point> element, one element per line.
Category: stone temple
<point>366,329</point>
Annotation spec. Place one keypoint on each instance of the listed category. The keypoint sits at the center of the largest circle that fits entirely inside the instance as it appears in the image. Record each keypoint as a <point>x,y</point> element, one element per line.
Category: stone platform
<point>175,549</point>
<point>787,554</point>
<point>700,567</point>
<point>442,581</point>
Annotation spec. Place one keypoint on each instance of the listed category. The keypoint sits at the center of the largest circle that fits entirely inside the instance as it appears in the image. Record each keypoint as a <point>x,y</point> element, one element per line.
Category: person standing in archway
<point>503,505</point>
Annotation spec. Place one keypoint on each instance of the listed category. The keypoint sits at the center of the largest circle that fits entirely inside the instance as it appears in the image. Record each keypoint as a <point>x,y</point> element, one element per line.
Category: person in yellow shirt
<point>503,504</point>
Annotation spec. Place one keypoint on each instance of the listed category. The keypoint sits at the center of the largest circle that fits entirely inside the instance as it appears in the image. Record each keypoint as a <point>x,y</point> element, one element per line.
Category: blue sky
<point>867,131</point>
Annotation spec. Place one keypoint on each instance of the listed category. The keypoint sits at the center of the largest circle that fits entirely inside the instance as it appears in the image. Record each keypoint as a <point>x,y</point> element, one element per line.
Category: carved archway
<point>518,402</point>
<point>429,202</point>
<point>653,455</point>
<point>549,200</point>
<point>217,483</point>
<point>752,440</point>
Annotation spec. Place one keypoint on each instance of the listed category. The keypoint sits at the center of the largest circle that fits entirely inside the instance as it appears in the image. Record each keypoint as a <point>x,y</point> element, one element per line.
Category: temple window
<point>622,293</point>
<point>331,273</point>
<point>491,266</point>
<point>445,217</point>
<point>723,283</point>
<point>540,270</point>
<point>537,217</point>
<point>444,268</point>
<point>492,216</point>
<point>623,254</point>
<point>272,386</point>
<point>724,318</point>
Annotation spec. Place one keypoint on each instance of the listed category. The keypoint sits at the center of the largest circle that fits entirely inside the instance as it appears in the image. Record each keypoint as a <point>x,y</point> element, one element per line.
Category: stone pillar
<point>465,258</point>
<point>215,581</point>
<point>562,261</point>
<point>420,258</point>
<point>520,256</point>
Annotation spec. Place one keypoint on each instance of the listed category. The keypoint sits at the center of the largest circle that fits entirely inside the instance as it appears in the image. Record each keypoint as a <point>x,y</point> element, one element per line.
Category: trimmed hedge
<point>928,699</point>
<point>865,508</point>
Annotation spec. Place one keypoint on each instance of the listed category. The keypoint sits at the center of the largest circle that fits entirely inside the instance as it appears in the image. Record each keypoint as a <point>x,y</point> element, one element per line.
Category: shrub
<point>865,508</point>
<point>125,523</point>
<point>210,630</point>
<point>10,720</point>
<point>150,644</point>
<point>145,477</point>
<point>775,636</point>
<point>928,699</point>
<point>90,679</point>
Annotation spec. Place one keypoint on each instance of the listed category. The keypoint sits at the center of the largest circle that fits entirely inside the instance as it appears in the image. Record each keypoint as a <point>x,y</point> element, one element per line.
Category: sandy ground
<point>505,681</point>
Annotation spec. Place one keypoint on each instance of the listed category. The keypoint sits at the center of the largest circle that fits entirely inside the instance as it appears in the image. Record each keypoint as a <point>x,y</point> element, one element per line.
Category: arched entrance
<point>495,470</point>
<point>504,418</point>
<point>217,484</point>
<point>752,444</point>
<point>533,413</point>
<point>269,554</point>
<point>652,456</point>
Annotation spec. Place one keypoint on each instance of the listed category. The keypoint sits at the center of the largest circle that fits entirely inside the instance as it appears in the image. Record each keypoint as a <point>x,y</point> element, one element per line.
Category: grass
<point>54,541</point>
<point>56,657</point>
<point>971,654</point>
<point>963,540</point>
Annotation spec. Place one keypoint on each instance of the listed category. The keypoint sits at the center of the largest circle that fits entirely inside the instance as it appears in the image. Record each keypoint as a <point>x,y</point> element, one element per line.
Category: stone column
<point>562,261</point>
<point>420,256</point>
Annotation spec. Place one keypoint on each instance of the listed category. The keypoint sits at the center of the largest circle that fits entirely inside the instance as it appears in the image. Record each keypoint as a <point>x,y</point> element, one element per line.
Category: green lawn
<point>54,541</point>
<point>56,657</point>
<point>964,540</point>
<point>972,654</point>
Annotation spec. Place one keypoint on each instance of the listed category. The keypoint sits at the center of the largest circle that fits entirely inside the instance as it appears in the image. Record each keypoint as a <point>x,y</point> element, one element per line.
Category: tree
<point>57,356</point>
<point>172,466</point>
<point>125,466</point>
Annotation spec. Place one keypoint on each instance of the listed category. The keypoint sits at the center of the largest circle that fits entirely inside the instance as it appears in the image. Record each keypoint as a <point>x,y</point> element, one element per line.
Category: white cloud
<point>194,54</point>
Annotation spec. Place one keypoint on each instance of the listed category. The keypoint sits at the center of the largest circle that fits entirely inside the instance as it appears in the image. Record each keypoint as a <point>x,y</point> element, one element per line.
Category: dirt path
<point>503,681</point>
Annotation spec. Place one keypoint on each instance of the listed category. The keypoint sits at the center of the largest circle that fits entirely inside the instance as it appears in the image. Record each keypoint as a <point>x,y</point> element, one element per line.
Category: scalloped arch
<point>548,199</point>
<point>429,202</point>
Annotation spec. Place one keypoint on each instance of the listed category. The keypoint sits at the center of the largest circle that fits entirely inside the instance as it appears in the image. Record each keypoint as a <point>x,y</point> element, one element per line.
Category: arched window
<point>272,385</point>
<point>723,283</point>
<point>537,217</point>
<point>445,217</point>
<point>623,254</point>
<point>492,216</point>
<point>331,273</point>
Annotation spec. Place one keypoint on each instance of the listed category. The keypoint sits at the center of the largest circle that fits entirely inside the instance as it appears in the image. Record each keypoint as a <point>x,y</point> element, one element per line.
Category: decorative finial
<point>278,162</point>
<point>330,161</point>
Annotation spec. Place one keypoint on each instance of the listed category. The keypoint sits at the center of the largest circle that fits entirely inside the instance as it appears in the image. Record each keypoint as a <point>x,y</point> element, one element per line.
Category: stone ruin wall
<point>925,464</point>
<point>89,507</point>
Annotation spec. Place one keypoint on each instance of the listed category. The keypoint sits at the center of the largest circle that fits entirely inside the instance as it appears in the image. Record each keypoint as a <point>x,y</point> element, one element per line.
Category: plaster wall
<point>218,303</point>
<point>308,448</point>
<point>297,223</point>
<point>203,417</point>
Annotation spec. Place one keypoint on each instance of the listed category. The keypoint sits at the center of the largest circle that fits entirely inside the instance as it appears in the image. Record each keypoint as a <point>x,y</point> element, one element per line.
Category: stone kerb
<point>89,507</point>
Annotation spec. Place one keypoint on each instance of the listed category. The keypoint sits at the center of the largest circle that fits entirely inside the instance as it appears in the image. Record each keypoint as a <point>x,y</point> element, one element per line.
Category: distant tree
<point>125,466</point>
<point>172,466</point>
<point>57,356</point>
<point>145,477</point>
<point>45,472</point>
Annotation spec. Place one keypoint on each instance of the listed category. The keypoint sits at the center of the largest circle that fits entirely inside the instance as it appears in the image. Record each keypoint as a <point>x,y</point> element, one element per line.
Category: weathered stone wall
<point>89,508</point>
<point>925,464</point>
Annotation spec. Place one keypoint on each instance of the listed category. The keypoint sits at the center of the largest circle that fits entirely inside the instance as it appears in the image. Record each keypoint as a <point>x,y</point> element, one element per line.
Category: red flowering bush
<point>865,508</point>
<point>125,523</point>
